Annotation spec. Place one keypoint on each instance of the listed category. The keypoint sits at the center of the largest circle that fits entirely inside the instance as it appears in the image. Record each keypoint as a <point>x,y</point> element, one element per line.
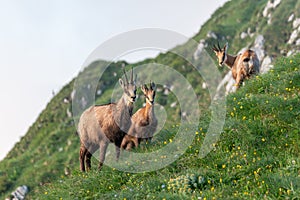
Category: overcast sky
<point>43,45</point>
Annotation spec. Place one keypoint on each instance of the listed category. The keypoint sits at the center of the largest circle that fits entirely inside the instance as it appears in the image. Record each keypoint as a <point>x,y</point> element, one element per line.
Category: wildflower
<point>244,117</point>
<point>46,193</point>
<point>223,166</point>
<point>263,139</point>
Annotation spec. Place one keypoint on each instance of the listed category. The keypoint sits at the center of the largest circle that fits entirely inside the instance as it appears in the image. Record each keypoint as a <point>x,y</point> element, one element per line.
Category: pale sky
<point>43,45</point>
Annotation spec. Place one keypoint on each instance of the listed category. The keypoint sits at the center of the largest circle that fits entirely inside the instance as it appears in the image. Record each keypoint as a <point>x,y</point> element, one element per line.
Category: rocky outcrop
<point>201,46</point>
<point>294,37</point>
<point>271,5</point>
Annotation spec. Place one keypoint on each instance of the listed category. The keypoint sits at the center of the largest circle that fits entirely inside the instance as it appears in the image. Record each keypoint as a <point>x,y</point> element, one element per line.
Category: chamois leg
<point>238,81</point>
<point>88,160</point>
<point>88,156</point>
<point>103,147</point>
<point>82,154</point>
<point>117,153</point>
<point>149,139</point>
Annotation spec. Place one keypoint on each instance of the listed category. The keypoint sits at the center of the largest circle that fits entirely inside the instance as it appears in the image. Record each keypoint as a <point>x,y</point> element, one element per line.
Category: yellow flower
<point>263,139</point>
<point>46,193</point>
<point>223,166</point>
<point>244,117</point>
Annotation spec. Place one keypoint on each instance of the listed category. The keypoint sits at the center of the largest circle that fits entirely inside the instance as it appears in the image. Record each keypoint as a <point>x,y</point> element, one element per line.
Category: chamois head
<point>149,93</point>
<point>220,53</point>
<point>129,88</point>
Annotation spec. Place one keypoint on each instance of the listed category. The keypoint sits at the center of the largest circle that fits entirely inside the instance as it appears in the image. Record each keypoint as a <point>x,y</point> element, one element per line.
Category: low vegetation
<point>257,156</point>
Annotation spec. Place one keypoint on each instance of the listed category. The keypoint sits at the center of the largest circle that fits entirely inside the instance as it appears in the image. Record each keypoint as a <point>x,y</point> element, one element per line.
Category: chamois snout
<point>133,98</point>
<point>131,95</point>
<point>150,100</point>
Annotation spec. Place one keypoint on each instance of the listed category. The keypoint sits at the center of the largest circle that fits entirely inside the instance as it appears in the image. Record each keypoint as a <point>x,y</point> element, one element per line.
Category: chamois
<point>242,66</point>
<point>144,122</point>
<point>100,125</point>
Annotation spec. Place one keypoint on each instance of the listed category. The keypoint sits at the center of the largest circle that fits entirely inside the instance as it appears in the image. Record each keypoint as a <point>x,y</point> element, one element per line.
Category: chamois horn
<point>219,46</point>
<point>125,75</point>
<point>131,77</point>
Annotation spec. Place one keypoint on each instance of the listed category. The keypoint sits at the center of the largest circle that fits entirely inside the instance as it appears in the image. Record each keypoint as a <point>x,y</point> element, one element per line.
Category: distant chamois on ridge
<point>242,66</point>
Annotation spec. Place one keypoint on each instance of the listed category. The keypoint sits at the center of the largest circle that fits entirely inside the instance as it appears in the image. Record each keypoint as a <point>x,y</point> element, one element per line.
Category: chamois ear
<point>152,86</point>
<point>225,47</point>
<point>144,88</point>
<point>121,83</point>
<point>135,79</point>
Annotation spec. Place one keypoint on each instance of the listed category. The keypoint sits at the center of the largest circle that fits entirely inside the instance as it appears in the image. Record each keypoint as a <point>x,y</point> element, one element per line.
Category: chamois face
<point>129,88</point>
<point>220,53</point>
<point>149,93</point>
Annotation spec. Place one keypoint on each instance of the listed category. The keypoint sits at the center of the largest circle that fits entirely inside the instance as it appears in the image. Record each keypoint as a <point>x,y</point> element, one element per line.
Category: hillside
<point>257,157</point>
<point>258,152</point>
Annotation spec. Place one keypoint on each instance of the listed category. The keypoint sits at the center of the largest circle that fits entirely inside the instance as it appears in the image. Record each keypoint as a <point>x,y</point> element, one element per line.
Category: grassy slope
<point>38,158</point>
<point>257,156</point>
